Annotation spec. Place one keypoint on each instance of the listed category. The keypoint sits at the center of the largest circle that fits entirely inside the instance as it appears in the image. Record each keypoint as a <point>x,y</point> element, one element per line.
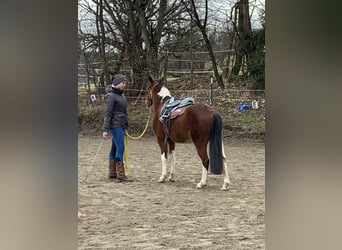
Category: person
<point>116,122</point>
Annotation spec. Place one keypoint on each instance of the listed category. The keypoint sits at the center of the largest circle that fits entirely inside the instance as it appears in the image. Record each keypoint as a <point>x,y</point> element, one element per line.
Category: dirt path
<point>145,214</point>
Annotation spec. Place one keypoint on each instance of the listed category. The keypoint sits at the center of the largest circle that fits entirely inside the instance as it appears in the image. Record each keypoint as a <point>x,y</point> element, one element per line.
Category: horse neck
<point>157,100</point>
<point>158,103</point>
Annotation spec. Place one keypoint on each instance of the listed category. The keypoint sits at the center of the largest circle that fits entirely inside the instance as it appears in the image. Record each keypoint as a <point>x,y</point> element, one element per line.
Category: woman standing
<point>116,122</point>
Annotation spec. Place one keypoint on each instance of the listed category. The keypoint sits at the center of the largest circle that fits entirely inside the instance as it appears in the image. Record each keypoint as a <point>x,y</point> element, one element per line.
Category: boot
<point>112,169</point>
<point>120,170</point>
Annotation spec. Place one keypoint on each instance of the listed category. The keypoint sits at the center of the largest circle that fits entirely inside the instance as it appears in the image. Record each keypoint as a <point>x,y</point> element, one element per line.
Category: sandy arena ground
<point>145,214</point>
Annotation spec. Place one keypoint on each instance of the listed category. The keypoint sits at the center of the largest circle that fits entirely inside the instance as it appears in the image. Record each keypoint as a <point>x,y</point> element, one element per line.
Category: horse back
<point>194,124</point>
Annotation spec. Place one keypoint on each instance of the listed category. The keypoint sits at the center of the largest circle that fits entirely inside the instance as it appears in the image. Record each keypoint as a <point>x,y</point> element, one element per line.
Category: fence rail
<point>210,97</point>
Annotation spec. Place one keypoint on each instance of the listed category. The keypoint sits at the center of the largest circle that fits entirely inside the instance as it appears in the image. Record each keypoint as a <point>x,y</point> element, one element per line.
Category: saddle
<point>173,108</point>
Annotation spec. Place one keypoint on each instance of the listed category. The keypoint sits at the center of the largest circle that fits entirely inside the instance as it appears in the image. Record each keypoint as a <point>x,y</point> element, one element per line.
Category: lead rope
<point>145,129</point>
<point>126,159</point>
<point>92,165</point>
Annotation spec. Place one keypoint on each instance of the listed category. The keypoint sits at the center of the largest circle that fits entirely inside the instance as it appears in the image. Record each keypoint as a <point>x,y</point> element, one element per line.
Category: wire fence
<point>208,96</point>
<point>226,103</point>
<point>186,75</point>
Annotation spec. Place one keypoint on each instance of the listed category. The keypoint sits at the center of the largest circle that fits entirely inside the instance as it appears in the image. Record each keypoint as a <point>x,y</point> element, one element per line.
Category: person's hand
<point>104,134</point>
<point>80,215</point>
<point>126,132</point>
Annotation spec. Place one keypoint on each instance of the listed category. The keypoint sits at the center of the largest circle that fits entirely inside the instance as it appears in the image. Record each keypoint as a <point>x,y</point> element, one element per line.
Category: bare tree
<point>140,25</point>
<point>203,26</point>
<point>102,44</point>
<point>131,34</point>
<point>243,31</point>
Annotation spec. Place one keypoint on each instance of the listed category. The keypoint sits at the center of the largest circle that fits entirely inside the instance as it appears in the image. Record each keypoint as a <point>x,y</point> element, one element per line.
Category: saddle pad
<point>178,111</point>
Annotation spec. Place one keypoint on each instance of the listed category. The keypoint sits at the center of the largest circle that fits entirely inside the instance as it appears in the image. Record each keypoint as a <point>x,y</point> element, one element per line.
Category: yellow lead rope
<point>127,165</point>
<point>145,129</point>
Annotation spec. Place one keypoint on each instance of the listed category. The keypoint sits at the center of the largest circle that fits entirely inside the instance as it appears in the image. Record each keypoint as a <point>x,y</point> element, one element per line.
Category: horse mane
<point>164,92</point>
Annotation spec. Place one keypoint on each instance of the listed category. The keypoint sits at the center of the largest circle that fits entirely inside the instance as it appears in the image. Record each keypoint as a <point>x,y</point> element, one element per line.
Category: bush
<point>90,116</point>
<point>256,62</point>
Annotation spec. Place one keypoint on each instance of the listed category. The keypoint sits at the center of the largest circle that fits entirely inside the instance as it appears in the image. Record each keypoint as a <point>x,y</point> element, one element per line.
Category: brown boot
<point>120,170</point>
<point>112,169</point>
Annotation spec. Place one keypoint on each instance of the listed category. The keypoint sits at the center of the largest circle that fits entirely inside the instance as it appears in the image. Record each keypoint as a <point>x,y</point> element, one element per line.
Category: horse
<point>198,124</point>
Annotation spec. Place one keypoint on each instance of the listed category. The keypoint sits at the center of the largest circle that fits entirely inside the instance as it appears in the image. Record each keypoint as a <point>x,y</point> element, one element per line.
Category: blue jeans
<point>118,145</point>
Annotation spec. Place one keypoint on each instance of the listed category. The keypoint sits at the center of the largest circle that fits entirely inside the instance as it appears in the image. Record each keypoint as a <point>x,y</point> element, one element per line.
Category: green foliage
<point>251,120</point>
<point>256,63</point>
<point>90,116</point>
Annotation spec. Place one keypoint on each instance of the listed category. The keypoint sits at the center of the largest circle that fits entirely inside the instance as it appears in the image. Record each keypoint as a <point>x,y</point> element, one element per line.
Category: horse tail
<point>215,150</point>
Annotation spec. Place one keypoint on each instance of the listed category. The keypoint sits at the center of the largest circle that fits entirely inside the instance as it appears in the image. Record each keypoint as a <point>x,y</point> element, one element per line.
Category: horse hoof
<point>161,180</point>
<point>171,180</point>
<point>199,186</point>
<point>225,188</point>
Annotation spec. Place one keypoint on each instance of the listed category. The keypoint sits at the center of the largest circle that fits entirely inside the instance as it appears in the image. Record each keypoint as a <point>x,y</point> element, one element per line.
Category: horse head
<point>150,85</point>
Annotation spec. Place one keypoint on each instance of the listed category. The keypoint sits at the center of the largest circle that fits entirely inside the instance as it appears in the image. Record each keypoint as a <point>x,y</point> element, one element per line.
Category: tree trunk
<point>213,60</point>
<point>104,77</point>
<point>202,28</point>
<point>244,32</point>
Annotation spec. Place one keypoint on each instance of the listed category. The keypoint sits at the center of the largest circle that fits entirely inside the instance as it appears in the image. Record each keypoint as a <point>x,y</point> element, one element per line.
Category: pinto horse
<point>198,123</point>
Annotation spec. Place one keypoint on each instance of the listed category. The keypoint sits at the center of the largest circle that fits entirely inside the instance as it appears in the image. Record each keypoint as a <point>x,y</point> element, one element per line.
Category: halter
<point>150,93</point>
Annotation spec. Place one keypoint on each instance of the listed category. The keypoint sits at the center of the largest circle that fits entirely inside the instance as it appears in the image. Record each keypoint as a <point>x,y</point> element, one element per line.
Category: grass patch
<point>251,120</point>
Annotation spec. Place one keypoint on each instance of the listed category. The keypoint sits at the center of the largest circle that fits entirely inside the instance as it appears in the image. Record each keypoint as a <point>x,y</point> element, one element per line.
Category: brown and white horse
<point>198,123</point>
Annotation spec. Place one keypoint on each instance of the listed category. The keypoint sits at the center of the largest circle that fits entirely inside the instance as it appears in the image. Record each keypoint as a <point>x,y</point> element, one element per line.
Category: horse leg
<point>202,152</point>
<point>164,169</point>
<point>226,181</point>
<point>163,150</point>
<point>203,181</point>
<point>172,160</point>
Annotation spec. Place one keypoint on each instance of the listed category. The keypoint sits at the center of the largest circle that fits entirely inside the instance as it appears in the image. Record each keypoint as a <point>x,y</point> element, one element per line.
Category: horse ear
<point>150,79</point>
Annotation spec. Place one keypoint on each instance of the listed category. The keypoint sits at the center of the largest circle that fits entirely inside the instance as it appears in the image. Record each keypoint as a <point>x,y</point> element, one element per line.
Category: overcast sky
<point>221,8</point>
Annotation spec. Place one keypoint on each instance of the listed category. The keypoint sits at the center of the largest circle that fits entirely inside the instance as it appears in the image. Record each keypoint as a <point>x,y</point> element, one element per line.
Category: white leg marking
<point>226,181</point>
<point>164,170</point>
<point>172,158</point>
<point>203,181</point>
